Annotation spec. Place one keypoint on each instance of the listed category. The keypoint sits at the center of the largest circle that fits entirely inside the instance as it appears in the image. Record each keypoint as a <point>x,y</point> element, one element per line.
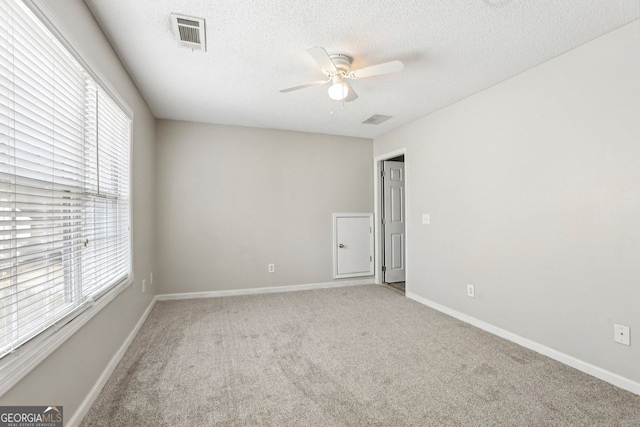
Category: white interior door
<point>352,245</point>
<point>393,221</point>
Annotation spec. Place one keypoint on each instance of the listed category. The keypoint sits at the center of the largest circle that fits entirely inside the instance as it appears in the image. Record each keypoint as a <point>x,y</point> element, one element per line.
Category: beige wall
<point>66,377</point>
<point>533,187</point>
<point>235,199</point>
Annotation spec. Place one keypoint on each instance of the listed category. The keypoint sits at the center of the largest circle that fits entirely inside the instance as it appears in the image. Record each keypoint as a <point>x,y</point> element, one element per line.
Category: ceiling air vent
<point>189,31</point>
<point>376,119</point>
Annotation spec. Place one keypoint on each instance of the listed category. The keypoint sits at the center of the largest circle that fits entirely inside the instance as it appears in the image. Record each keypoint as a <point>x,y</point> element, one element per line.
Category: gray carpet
<point>359,356</point>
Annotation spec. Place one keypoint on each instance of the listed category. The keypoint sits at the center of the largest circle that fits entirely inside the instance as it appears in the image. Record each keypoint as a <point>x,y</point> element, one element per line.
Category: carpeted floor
<point>357,356</point>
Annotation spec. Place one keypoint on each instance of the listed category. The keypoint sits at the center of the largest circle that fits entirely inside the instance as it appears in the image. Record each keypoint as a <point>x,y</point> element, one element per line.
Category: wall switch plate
<point>150,278</point>
<point>272,268</point>
<point>426,219</point>
<point>621,334</point>
<point>471,291</point>
<point>144,285</point>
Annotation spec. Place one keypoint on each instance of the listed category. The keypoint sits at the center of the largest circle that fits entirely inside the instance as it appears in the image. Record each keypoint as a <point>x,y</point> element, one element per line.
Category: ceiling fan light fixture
<point>338,90</point>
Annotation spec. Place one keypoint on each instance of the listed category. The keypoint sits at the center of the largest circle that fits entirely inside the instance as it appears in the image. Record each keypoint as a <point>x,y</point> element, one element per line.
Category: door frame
<point>377,214</point>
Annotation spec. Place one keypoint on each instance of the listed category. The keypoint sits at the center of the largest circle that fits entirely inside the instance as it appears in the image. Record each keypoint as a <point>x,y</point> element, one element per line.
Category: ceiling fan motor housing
<point>342,63</point>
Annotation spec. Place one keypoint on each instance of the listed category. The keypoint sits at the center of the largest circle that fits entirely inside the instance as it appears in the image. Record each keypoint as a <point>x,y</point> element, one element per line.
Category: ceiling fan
<point>337,68</point>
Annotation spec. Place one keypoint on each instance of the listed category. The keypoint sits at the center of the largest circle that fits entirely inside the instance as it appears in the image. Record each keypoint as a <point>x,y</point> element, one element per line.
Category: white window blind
<point>64,182</point>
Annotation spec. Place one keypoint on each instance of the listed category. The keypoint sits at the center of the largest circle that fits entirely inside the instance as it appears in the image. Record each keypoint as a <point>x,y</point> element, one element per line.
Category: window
<point>64,182</point>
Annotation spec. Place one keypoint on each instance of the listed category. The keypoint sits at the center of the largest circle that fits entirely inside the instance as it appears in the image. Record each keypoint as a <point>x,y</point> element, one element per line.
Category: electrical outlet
<point>471,291</point>
<point>426,219</point>
<point>151,278</point>
<point>272,268</point>
<point>144,285</point>
<point>621,334</point>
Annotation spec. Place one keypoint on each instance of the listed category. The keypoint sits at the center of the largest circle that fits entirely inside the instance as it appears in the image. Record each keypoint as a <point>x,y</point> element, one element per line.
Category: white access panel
<point>352,245</point>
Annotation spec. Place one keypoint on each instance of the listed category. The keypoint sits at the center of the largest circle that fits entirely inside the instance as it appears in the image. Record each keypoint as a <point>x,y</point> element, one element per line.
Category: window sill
<point>16,365</point>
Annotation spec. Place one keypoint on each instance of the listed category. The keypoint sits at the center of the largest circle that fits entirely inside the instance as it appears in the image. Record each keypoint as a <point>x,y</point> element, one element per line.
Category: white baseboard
<point>253,291</point>
<point>82,410</point>
<point>603,374</point>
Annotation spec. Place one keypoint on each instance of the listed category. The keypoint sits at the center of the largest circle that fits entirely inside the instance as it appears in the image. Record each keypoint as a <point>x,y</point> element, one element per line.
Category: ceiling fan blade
<point>318,83</point>
<point>376,70</point>
<point>351,95</point>
<point>322,58</point>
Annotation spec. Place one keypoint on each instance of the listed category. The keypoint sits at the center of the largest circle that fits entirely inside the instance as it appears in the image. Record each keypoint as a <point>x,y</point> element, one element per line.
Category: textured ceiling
<point>450,48</point>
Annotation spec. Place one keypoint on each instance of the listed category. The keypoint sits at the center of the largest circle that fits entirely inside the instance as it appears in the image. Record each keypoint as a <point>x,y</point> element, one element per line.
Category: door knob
<point>341,245</point>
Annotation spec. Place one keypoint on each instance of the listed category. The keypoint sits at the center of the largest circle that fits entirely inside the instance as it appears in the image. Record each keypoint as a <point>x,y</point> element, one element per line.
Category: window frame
<point>16,365</point>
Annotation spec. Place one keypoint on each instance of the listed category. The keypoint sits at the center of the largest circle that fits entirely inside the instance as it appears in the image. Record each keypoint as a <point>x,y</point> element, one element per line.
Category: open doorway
<point>391,210</point>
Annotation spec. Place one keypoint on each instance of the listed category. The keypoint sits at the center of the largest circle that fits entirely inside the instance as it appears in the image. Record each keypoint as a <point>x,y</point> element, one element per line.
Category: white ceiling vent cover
<point>189,31</point>
<point>376,119</point>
